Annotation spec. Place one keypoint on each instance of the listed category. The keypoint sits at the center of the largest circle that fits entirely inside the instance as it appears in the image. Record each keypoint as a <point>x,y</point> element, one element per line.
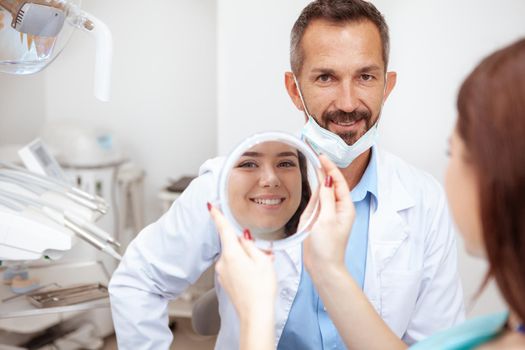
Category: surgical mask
<point>333,146</point>
<point>325,142</point>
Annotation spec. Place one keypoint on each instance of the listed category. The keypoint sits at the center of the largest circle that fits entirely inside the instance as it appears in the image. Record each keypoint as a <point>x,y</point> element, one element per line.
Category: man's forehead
<point>325,42</point>
<point>358,27</point>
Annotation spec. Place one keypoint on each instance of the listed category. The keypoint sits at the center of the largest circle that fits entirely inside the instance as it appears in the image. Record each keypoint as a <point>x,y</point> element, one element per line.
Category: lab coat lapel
<point>387,230</point>
<point>294,257</point>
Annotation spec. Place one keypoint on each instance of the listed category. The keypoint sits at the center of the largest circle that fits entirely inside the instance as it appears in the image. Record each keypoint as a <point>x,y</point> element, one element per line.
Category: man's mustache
<point>346,117</point>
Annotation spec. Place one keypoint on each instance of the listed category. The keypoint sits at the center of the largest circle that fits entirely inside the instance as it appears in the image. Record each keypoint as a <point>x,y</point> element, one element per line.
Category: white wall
<point>163,103</point>
<point>253,44</point>
<point>434,45</point>
<point>22,106</point>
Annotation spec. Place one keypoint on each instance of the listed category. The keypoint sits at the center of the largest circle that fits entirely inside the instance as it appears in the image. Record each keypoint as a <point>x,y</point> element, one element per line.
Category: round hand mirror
<point>266,185</point>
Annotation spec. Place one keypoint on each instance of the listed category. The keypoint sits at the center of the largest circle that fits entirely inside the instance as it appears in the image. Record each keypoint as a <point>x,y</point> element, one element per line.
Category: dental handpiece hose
<point>92,227</point>
<point>106,248</point>
<point>90,201</point>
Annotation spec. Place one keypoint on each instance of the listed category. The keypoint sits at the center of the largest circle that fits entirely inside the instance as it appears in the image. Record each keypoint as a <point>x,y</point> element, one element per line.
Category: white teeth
<point>345,124</point>
<point>268,201</point>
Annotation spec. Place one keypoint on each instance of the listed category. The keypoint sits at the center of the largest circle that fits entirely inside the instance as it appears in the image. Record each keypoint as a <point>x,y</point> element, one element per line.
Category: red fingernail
<point>329,181</point>
<point>208,204</point>
<point>247,234</point>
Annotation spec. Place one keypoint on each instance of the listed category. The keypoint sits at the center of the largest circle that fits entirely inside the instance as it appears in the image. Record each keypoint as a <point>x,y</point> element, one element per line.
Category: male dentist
<point>402,248</point>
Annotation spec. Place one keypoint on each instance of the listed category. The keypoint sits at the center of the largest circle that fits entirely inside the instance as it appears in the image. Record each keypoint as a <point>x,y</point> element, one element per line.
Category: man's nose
<point>269,178</point>
<point>346,99</point>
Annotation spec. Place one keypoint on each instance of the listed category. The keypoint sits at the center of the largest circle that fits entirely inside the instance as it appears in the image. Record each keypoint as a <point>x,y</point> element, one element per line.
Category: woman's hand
<point>246,273</point>
<point>323,256</point>
<point>326,245</point>
<point>248,276</point>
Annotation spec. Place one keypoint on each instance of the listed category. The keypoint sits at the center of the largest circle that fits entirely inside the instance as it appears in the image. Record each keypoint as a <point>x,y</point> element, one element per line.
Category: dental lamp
<point>34,32</point>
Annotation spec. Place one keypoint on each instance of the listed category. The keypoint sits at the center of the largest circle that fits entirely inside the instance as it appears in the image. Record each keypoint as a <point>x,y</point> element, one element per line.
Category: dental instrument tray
<point>68,295</point>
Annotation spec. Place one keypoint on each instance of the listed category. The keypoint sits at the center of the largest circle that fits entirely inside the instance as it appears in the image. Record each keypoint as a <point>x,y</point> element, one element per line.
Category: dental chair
<point>205,314</point>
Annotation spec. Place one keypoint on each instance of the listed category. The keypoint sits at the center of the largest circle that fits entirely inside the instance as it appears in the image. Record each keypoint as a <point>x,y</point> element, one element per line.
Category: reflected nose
<point>269,178</point>
<point>347,100</point>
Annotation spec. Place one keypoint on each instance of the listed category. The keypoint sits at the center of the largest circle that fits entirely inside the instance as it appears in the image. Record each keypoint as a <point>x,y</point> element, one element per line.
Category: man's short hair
<point>336,11</point>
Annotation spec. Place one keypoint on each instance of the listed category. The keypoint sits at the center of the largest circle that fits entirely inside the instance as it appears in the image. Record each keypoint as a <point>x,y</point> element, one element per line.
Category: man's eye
<point>324,78</point>
<point>367,77</point>
<point>247,164</point>
<point>287,164</point>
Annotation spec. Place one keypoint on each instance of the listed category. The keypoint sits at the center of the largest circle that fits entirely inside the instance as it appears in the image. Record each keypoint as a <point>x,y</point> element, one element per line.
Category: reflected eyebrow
<point>251,154</point>
<point>287,154</point>
<point>258,154</point>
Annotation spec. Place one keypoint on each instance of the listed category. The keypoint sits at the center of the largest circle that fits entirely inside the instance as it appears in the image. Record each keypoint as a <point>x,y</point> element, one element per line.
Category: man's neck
<point>354,172</point>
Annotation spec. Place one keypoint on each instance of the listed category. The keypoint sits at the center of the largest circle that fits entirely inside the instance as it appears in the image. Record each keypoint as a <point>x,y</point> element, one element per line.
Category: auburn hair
<point>491,123</point>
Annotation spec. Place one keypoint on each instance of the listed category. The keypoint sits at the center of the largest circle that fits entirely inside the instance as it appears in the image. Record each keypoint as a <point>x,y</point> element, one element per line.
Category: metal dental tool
<point>80,227</point>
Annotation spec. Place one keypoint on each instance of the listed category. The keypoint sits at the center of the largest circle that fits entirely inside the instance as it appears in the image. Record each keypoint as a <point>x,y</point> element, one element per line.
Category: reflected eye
<point>247,164</point>
<point>287,164</point>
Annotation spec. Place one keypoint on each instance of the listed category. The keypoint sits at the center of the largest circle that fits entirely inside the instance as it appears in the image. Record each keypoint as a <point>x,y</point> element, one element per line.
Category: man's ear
<point>391,79</point>
<point>292,90</point>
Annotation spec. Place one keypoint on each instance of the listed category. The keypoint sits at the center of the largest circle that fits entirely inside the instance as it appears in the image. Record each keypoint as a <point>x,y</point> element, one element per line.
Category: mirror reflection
<point>268,189</point>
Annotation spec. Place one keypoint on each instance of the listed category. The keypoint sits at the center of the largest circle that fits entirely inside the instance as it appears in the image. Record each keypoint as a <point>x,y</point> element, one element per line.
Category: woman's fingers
<point>227,236</point>
<point>252,251</point>
<point>341,190</point>
<point>231,243</point>
<point>331,169</point>
<point>326,191</point>
<point>308,213</point>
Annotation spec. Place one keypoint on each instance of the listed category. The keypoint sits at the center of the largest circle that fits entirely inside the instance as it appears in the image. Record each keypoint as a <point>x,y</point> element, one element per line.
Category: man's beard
<point>347,117</point>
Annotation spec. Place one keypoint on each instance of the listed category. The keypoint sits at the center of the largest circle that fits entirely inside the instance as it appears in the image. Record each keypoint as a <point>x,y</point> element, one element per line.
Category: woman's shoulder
<point>507,341</point>
<point>468,335</point>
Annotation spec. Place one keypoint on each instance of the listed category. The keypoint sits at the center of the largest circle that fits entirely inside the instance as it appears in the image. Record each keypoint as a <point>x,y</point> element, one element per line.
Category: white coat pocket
<point>399,292</point>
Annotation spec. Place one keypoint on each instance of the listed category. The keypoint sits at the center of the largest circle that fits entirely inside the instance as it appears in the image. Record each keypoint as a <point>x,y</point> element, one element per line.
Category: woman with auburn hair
<point>485,184</point>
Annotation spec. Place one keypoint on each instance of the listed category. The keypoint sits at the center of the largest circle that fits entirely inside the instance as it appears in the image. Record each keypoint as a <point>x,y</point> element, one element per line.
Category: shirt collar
<point>368,182</point>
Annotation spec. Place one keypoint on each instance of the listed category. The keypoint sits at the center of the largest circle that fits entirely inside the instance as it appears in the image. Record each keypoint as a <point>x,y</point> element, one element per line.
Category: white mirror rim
<point>248,143</point>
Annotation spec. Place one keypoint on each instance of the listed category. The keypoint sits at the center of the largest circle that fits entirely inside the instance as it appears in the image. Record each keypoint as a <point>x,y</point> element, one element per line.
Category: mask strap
<point>382,101</point>
<point>301,97</point>
<point>384,89</point>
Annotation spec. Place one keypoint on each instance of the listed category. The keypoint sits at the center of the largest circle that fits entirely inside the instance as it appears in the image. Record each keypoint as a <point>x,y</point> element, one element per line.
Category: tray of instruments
<point>72,295</point>
<point>65,287</point>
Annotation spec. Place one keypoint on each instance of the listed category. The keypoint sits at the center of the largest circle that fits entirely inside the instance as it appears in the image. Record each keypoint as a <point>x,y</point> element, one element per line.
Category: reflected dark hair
<point>491,123</point>
<point>340,12</point>
<point>291,226</point>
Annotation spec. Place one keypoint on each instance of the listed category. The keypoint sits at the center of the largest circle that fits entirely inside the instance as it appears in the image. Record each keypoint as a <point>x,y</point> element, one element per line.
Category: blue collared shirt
<point>308,325</point>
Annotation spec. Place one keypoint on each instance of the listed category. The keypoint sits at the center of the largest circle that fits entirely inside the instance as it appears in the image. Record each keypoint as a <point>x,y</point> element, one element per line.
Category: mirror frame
<point>256,139</point>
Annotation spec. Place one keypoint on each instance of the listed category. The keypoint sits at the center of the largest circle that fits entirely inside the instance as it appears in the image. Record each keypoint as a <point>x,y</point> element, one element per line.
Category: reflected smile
<point>268,201</point>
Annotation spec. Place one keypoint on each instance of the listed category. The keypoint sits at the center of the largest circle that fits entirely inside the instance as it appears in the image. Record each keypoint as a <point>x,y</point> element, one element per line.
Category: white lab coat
<point>411,270</point>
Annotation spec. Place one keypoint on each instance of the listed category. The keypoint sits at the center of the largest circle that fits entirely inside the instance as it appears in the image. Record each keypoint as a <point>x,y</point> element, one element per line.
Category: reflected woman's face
<point>265,188</point>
